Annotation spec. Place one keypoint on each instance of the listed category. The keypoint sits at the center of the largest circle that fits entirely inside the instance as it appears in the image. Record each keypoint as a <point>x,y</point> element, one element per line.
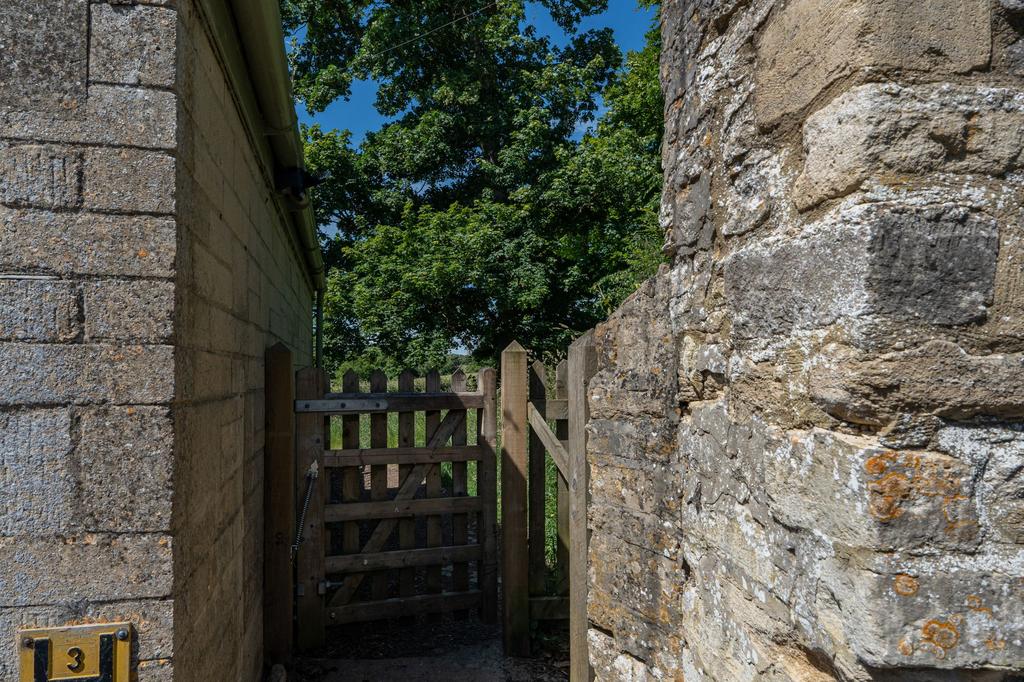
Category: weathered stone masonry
<point>145,266</point>
<point>807,435</point>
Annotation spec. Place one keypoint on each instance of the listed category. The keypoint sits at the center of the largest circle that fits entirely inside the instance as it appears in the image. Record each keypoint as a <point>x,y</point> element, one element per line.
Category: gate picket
<point>351,477</point>
<point>460,489</point>
<point>433,419</point>
<point>379,472</point>
<point>406,527</point>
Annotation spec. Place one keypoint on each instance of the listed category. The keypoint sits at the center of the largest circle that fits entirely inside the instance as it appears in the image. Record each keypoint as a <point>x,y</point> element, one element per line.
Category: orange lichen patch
<point>877,465</point>
<point>905,648</point>
<point>130,411</point>
<point>993,644</point>
<point>143,253</point>
<point>975,604</point>
<point>887,496</point>
<point>910,476</point>
<point>941,634</point>
<point>953,522</point>
<point>905,585</point>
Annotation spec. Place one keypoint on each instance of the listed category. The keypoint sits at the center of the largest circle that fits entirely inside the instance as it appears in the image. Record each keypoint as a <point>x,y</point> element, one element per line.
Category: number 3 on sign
<point>84,653</point>
<point>77,657</point>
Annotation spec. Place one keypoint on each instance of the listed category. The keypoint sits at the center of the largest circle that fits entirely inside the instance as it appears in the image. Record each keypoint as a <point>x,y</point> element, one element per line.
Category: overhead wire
<point>434,30</point>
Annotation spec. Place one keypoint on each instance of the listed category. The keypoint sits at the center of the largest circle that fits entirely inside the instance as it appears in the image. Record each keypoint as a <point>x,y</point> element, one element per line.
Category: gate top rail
<point>362,403</point>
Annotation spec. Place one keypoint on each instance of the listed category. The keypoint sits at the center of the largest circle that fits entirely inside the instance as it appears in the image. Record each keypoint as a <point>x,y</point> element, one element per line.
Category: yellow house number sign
<point>83,653</point>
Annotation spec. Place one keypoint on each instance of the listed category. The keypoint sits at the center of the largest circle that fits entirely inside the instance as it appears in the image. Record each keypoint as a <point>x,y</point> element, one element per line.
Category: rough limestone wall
<point>807,446</point>
<point>87,265</point>
<point>241,289</point>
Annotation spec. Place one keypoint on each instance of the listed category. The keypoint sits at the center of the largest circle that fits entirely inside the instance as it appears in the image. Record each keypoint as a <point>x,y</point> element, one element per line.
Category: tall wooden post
<point>279,505</point>
<point>514,554</point>
<point>537,488</point>
<point>562,489</point>
<point>582,366</point>
<point>487,489</point>
<point>311,384</point>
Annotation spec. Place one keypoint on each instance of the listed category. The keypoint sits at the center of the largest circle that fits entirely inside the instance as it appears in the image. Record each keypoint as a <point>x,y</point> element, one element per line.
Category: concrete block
<point>129,180</point>
<point>38,310</point>
<point>87,244</point>
<point>113,115</point>
<point>40,176</point>
<point>133,45</point>
<point>124,460</point>
<point>88,567</point>
<point>810,46</point>
<point>49,71</point>
<point>37,482</point>
<point>129,310</point>
<point>82,374</point>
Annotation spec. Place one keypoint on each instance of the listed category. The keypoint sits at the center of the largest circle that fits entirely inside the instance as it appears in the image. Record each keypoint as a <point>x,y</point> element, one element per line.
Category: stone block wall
<point>144,268</point>
<point>807,432</point>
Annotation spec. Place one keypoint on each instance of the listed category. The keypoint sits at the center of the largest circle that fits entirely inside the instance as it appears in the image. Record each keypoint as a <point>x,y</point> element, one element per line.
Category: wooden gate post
<point>537,488</point>
<point>311,384</point>
<point>279,505</point>
<point>582,366</point>
<point>514,554</point>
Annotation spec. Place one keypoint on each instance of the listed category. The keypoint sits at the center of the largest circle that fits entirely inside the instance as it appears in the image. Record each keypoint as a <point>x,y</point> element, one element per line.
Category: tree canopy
<point>478,213</point>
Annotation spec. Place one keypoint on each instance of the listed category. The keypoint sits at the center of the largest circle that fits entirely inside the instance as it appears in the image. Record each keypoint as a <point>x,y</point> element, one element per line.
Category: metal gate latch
<point>83,653</point>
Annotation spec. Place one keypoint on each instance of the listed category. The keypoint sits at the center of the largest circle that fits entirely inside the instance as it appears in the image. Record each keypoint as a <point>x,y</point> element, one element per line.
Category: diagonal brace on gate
<point>406,491</point>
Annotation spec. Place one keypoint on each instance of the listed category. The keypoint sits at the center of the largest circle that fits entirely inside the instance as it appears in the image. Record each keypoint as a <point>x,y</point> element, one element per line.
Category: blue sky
<point>629,22</point>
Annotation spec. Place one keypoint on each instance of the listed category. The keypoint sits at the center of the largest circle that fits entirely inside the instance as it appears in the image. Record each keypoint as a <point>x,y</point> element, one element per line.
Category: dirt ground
<point>443,649</point>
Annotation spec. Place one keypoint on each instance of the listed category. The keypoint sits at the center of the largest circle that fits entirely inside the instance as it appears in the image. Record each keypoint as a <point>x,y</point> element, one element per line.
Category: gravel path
<point>444,650</point>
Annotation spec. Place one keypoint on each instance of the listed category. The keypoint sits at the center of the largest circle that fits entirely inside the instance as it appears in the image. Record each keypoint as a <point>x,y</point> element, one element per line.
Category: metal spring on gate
<point>311,475</point>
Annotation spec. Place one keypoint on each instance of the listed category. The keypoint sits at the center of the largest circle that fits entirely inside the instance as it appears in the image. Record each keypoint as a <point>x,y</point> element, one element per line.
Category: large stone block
<point>811,46</point>
<point>936,377</point>
<point>133,45</point>
<point>41,176</point>
<point>44,55</point>
<point>945,612</point>
<point>886,131</point>
<point>37,482</point>
<point>38,310</point>
<point>926,264</point>
<point>124,459</point>
<point>87,244</point>
<point>53,373</point>
<point>89,567</point>
<point>129,310</point>
<point>997,450</point>
<point>113,115</point>
<point>129,180</point>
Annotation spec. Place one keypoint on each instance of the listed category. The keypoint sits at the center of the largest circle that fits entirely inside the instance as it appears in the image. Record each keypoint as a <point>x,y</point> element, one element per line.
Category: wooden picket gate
<point>364,557</point>
<point>529,408</point>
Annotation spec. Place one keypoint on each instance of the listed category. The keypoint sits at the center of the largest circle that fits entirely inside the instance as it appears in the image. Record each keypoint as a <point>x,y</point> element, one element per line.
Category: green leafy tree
<point>476,215</point>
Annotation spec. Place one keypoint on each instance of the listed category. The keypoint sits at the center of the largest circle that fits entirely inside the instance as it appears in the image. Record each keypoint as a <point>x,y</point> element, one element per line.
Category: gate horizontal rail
<point>364,403</point>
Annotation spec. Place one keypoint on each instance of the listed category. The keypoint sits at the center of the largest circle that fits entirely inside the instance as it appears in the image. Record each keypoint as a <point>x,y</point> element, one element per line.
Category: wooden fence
<point>363,556</point>
<point>380,523</point>
<point>529,409</point>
